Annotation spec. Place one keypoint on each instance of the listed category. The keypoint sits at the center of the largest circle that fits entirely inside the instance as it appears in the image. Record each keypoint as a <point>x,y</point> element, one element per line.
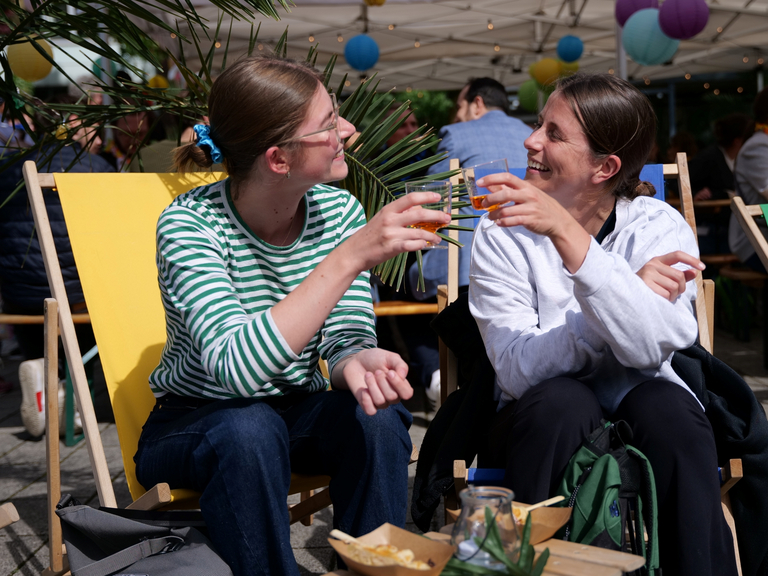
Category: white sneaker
<point>433,392</point>
<point>32,380</point>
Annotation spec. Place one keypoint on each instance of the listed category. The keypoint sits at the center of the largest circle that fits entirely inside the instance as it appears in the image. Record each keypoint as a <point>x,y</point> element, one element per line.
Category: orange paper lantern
<point>27,63</point>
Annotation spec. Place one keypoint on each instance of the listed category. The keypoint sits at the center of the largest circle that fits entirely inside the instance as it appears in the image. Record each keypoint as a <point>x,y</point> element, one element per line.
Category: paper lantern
<point>683,19</point>
<point>27,63</point>
<point>625,8</point>
<point>644,41</point>
<point>546,71</point>
<point>159,82</point>
<point>568,68</point>
<point>361,52</point>
<point>528,94</point>
<point>570,48</point>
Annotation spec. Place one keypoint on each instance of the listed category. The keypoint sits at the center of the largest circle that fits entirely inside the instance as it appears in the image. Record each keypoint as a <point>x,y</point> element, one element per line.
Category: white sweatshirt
<point>601,325</point>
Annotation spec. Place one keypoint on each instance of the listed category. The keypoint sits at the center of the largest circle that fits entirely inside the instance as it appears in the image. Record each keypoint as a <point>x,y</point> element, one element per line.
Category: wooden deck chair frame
<point>746,214</point>
<point>61,322</point>
<point>705,307</point>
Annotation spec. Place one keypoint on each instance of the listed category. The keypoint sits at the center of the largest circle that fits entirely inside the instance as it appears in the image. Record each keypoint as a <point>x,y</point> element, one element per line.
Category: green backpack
<point>609,484</point>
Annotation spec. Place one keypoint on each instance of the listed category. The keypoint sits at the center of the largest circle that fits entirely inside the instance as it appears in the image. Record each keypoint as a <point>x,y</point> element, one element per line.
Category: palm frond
<point>377,173</point>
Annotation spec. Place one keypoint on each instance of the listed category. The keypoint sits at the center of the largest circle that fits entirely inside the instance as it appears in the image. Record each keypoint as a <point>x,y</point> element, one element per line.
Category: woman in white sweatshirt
<point>582,287</point>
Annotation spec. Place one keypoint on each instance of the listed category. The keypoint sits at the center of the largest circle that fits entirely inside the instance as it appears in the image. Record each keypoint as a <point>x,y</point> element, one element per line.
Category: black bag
<point>136,543</point>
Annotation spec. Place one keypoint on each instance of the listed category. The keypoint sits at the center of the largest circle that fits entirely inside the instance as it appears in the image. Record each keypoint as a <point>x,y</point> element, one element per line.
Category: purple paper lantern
<point>625,8</point>
<point>683,19</point>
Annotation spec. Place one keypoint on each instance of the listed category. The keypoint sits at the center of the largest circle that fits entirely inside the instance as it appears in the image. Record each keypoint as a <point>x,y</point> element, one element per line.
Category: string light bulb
<point>339,38</point>
<point>217,44</point>
<point>716,91</point>
<point>391,27</point>
<point>706,85</point>
<point>409,89</point>
<point>739,89</point>
<point>261,46</point>
<point>490,24</point>
<point>647,81</point>
<point>416,44</point>
<point>173,35</point>
<point>687,76</point>
<point>719,29</point>
<point>347,83</point>
<point>496,48</point>
<point>745,59</point>
<point>760,61</point>
<point>611,71</point>
<point>311,38</point>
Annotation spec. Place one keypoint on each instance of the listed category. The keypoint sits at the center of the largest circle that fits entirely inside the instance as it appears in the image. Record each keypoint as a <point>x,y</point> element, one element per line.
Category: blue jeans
<point>240,453</point>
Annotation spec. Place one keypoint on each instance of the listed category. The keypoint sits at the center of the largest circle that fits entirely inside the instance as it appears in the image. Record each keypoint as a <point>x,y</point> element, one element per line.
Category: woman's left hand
<point>532,208</point>
<point>666,281</point>
<point>376,378</point>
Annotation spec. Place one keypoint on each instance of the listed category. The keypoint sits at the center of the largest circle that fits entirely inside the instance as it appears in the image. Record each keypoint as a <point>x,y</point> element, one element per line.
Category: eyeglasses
<point>334,125</point>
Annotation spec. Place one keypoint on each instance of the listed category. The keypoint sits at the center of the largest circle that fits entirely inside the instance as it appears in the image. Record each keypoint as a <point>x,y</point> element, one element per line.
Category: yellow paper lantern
<point>375,2</point>
<point>158,81</point>
<point>568,68</point>
<point>546,71</point>
<point>27,63</point>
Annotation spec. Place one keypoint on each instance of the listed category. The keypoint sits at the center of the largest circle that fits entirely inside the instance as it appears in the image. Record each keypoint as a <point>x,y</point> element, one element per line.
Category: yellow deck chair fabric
<point>111,219</point>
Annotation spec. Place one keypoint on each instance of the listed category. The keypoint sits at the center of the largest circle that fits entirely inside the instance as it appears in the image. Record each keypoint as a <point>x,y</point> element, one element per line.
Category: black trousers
<point>534,437</point>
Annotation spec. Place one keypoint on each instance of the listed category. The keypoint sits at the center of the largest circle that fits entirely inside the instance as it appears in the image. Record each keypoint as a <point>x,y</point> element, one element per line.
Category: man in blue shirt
<point>483,131</point>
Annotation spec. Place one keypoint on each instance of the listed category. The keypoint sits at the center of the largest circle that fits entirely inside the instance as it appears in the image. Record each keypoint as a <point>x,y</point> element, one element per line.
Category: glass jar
<point>470,530</point>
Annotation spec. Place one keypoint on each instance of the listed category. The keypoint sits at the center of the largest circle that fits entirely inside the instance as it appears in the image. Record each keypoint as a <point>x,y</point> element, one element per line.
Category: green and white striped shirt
<point>219,283</point>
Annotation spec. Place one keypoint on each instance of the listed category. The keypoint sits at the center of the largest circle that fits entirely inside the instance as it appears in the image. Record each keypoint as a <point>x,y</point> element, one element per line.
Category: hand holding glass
<point>472,174</point>
<point>442,187</point>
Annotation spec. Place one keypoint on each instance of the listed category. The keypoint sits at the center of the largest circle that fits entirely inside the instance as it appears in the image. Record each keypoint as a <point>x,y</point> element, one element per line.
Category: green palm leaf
<point>377,174</point>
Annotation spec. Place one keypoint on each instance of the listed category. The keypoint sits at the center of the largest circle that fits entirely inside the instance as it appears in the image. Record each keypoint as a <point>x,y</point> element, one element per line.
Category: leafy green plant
<point>377,174</point>
<point>525,565</point>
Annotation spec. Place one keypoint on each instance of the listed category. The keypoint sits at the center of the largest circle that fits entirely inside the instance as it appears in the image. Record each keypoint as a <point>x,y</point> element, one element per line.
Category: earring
<point>288,174</point>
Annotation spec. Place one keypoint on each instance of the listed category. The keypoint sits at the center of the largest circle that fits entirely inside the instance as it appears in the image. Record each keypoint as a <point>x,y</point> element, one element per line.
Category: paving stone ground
<point>23,549</point>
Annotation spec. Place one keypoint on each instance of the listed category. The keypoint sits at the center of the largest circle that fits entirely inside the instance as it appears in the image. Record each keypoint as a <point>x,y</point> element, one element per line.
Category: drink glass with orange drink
<point>473,173</point>
<point>442,187</point>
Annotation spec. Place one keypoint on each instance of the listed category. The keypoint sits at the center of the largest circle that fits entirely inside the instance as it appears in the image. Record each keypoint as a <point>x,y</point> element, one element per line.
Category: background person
<point>483,131</point>
<point>23,280</point>
<point>712,179</point>
<point>751,176</point>
<point>582,291</point>
<point>261,275</point>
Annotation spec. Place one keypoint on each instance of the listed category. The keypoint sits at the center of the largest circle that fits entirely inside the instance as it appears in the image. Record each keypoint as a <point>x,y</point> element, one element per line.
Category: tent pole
<point>621,55</point>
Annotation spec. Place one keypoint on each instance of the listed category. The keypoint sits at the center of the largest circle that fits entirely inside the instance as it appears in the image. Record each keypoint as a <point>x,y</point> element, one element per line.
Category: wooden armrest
<point>730,475</point>
<point>8,514</point>
<point>154,498</point>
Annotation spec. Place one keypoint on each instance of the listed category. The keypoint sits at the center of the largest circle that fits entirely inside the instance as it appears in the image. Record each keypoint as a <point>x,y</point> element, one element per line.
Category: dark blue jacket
<point>23,282</point>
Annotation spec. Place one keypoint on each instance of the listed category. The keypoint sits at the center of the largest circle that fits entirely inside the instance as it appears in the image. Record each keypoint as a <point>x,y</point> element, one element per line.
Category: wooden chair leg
<point>307,520</point>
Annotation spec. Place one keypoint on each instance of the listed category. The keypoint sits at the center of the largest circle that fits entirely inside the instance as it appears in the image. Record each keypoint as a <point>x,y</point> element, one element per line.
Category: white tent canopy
<point>458,39</point>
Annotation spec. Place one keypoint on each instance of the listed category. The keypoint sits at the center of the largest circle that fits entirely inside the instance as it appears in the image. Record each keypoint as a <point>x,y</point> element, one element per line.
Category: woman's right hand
<point>387,234</point>
<point>666,281</point>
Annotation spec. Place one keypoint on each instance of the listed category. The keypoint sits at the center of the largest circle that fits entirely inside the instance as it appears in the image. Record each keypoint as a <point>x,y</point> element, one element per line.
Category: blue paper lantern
<point>361,52</point>
<point>683,19</point>
<point>644,41</point>
<point>570,48</point>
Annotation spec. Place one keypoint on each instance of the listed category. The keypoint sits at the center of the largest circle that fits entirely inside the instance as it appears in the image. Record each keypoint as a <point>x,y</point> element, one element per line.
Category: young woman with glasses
<point>261,275</point>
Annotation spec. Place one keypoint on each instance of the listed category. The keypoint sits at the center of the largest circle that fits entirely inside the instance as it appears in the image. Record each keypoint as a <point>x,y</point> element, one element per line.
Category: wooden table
<point>566,559</point>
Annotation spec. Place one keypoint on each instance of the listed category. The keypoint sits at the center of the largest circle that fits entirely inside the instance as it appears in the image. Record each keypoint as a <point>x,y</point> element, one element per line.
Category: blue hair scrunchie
<point>203,132</point>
